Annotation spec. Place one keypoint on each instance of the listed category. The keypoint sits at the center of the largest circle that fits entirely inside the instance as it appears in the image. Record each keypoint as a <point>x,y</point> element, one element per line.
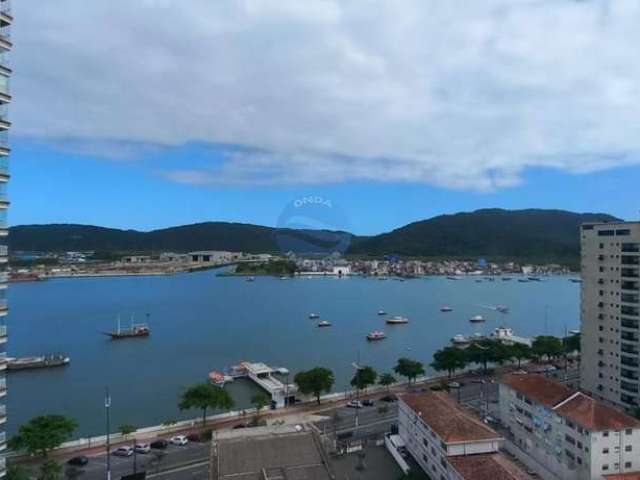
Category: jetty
<point>41,361</point>
<point>263,375</point>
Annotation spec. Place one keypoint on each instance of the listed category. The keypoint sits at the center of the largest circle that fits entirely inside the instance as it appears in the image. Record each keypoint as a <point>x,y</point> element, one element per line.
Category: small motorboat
<point>381,312</point>
<point>502,308</point>
<point>376,335</point>
<point>219,378</point>
<point>535,279</point>
<point>452,278</point>
<point>523,280</point>
<point>477,319</point>
<point>397,320</point>
<point>460,339</point>
<point>506,279</point>
<point>446,309</point>
<point>575,280</point>
<point>251,279</point>
<point>314,316</point>
<point>324,323</point>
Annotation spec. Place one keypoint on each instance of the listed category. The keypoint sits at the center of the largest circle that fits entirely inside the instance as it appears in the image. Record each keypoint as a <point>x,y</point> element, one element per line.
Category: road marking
<point>181,468</point>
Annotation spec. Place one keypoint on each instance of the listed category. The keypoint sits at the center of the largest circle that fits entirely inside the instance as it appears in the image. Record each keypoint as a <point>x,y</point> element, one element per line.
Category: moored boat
<point>314,316</point>
<point>446,309</point>
<point>476,319</point>
<point>324,323</point>
<point>219,378</point>
<point>460,339</point>
<point>381,312</point>
<point>376,335</point>
<point>397,320</point>
<point>135,330</point>
<point>42,361</point>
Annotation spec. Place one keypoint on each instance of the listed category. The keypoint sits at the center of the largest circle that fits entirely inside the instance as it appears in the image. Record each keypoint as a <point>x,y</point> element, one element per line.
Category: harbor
<point>201,323</point>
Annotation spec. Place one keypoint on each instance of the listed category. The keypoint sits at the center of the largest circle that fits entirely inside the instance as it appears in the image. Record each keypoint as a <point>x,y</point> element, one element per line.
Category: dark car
<point>388,399</point>
<point>367,403</point>
<point>239,425</point>
<point>160,444</point>
<point>79,461</point>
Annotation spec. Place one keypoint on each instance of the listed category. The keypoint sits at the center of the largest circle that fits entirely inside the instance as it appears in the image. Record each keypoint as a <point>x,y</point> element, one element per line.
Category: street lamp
<point>107,406</point>
<point>358,367</point>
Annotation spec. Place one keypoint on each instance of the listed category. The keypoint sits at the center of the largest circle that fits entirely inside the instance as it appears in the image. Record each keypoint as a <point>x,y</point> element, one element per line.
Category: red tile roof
<point>623,476</point>
<point>491,466</point>
<point>450,421</point>
<point>594,415</point>
<point>538,388</point>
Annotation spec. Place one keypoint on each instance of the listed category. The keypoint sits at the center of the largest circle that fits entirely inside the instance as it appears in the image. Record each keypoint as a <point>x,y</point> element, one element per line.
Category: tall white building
<point>5,72</point>
<point>449,443</point>
<point>567,434</point>
<point>610,312</point>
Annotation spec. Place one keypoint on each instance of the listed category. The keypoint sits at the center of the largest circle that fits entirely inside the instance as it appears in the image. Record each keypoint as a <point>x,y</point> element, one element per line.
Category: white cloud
<point>459,93</point>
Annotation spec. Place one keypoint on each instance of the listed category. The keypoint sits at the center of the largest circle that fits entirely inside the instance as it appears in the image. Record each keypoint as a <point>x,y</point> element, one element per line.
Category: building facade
<point>449,443</point>
<point>567,434</point>
<point>610,312</point>
<point>5,72</point>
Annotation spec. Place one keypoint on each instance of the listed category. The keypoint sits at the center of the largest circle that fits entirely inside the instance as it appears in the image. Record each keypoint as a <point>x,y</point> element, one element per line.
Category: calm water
<point>202,322</point>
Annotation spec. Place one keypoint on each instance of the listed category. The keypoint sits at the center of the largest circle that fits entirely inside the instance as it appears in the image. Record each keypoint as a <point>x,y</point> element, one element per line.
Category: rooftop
<point>294,456</point>
<point>576,406</point>
<point>623,476</point>
<point>491,466</point>
<point>449,420</point>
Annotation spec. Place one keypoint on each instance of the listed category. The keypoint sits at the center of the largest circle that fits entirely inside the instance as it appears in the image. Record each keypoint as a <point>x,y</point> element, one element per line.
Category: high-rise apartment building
<point>610,312</point>
<point>5,98</point>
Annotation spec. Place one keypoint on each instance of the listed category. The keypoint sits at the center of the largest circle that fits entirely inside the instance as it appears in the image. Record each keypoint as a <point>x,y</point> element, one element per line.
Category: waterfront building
<point>214,257</point>
<point>5,72</point>
<point>610,312</point>
<point>565,434</point>
<point>450,443</point>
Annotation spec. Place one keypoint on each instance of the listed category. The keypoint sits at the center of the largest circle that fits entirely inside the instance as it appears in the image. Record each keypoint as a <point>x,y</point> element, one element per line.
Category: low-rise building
<point>214,257</point>
<point>449,442</point>
<point>569,434</point>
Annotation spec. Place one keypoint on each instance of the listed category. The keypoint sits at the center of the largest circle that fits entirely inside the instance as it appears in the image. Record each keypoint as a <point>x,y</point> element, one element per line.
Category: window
<point>605,467</point>
<point>570,439</point>
<point>627,464</point>
<point>605,233</point>
<point>623,232</point>
<point>627,448</point>
<point>605,434</point>
<point>628,431</point>
<point>605,450</point>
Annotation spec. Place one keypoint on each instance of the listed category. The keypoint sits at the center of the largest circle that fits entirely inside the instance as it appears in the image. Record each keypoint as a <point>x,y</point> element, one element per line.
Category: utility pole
<point>107,406</point>
<point>357,367</point>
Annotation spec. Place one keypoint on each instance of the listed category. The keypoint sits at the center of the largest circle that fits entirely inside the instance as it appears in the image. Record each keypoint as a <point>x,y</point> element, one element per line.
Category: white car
<point>142,448</point>
<point>354,404</point>
<point>179,440</point>
<point>123,452</point>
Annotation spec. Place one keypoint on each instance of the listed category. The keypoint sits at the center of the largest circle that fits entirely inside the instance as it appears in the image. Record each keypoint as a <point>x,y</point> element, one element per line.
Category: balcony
<point>629,361</point>
<point>630,349</point>
<point>601,257</point>
<point>630,323</point>
<point>630,248</point>
<point>629,273</point>
<point>629,374</point>
<point>4,250</point>
<point>629,298</point>
<point>628,399</point>
<point>629,387</point>
<point>634,286</point>
<point>629,337</point>
<point>633,311</point>
<point>630,260</point>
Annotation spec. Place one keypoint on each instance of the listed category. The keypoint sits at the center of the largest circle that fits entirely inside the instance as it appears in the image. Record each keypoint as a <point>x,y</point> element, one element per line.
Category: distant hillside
<point>550,235</point>
<point>546,235</point>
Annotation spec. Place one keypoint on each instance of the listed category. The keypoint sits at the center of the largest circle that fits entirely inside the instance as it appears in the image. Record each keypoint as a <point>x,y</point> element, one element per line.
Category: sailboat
<point>135,330</point>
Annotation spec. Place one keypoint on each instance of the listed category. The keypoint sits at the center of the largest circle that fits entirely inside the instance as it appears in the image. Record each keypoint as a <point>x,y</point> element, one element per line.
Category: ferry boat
<point>42,361</point>
<point>376,335</point>
<point>324,323</point>
<point>314,316</point>
<point>476,319</point>
<point>381,312</point>
<point>446,309</point>
<point>397,320</point>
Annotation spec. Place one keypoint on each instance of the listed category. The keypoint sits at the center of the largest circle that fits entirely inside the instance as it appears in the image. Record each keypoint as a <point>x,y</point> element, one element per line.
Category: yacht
<point>324,323</point>
<point>314,316</point>
<point>460,339</point>
<point>476,319</point>
<point>376,335</point>
<point>381,312</point>
<point>397,320</point>
<point>446,309</point>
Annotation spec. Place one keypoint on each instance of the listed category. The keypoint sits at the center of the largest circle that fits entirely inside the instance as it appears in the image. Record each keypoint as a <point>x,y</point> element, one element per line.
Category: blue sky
<point>49,186</point>
<point>395,112</point>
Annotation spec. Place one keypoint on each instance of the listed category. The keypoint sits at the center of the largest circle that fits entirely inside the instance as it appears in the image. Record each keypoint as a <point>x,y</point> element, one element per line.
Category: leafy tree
<point>365,376</point>
<point>205,396</point>
<point>571,343</point>
<point>50,470</point>
<point>449,359</point>
<point>315,381</point>
<point>42,434</point>
<point>259,401</point>
<point>73,472</point>
<point>17,472</point>
<point>126,429</point>
<point>519,351</point>
<point>386,380</point>
<point>547,346</point>
<point>409,368</point>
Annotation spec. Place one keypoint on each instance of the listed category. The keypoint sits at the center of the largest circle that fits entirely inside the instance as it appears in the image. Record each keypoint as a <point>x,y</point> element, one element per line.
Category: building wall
<point>610,312</point>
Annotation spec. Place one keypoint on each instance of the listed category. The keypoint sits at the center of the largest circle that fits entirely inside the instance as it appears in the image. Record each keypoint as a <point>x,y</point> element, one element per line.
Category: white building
<point>568,434</point>
<point>449,443</point>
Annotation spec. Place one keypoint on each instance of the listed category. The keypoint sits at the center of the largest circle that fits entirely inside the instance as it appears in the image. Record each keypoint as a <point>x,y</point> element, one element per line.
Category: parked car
<point>354,404</point>
<point>160,443</point>
<point>453,385</point>
<point>389,398</point>
<point>142,448</point>
<point>367,403</point>
<point>123,451</point>
<point>436,388</point>
<point>179,440</point>
<point>79,461</point>
<point>238,426</point>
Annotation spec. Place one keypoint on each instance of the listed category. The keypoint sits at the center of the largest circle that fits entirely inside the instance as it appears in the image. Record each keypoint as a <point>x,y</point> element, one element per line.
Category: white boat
<point>376,335</point>
<point>251,279</point>
<point>460,339</point>
<point>446,309</point>
<point>324,323</point>
<point>397,320</point>
<point>476,319</point>
<point>314,316</point>
<point>381,312</point>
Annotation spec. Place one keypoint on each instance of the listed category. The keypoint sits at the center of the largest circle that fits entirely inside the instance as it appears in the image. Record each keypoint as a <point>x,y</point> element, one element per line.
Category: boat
<point>284,278</point>
<point>476,319</point>
<point>452,278</point>
<point>41,361</point>
<point>460,339</point>
<point>219,378</point>
<point>135,330</point>
<point>534,279</point>
<point>446,309</point>
<point>382,278</point>
<point>478,281</point>
<point>523,280</point>
<point>506,335</point>
<point>502,308</point>
<point>251,279</point>
<point>324,323</point>
<point>397,320</point>
<point>575,280</point>
<point>574,332</point>
<point>314,316</point>
<point>375,335</point>
<point>381,312</point>
<point>506,279</point>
